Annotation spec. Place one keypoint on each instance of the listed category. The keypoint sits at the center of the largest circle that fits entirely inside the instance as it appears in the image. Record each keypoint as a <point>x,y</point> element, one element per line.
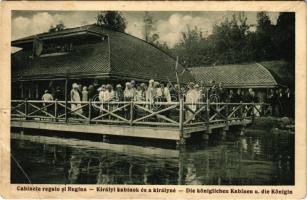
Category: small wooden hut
<point>258,76</point>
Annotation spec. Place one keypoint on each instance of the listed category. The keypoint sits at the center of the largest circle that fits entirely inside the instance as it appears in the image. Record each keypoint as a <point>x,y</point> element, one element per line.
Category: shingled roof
<point>252,75</point>
<point>122,56</point>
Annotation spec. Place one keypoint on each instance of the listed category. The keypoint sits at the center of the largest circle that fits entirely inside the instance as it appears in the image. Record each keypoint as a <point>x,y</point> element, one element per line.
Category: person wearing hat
<point>221,92</point>
<point>109,94</point>
<point>47,97</point>
<point>91,92</point>
<point>150,93</point>
<point>144,90</point>
<point>101,91</point>
<point>75,100</point>
<point>84,94</point>
<point>198,92</point>
<point>119,93</point>
<point>129,92</point>
<point>191,100</point>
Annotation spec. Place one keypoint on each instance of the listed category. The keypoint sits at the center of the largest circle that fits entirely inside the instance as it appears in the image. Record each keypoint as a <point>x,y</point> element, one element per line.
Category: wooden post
<point>180,168</point>
<point>131,113</point>
<point>242,107</point>
<point>253,113</point>
<point>89,111</point>
<point>227,113</point>
<point>181,119</point>
<point>66,94</point>
<point>26,108</point>
<point>56,110</point>
<point>181,106</point>
<point>208,114</point>
<point>22,96</point>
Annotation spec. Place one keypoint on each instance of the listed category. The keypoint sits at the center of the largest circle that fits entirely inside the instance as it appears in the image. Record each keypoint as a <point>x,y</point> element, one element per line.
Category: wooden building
<point>86,55</point>
<point>258,76</point>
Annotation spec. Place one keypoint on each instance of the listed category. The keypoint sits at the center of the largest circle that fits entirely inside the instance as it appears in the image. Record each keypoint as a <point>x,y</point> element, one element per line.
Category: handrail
<point>142,102</point>
<point>180,114</point>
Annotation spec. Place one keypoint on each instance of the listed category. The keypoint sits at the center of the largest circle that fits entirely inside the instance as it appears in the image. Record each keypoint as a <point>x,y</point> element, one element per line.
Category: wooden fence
<point>176,114</point>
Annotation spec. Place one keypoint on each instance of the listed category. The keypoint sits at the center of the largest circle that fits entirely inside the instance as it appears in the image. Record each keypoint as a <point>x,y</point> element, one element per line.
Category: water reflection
<point>250,160</point>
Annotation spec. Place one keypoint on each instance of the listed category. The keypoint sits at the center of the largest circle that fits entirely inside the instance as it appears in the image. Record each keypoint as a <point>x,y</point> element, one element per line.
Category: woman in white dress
<point>191,98</point>
<point>75,97</point>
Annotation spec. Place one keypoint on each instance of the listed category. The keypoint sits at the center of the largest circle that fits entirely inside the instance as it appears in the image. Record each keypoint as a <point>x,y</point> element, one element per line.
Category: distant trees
<point>191,47</point>
<point>150,33</point>
<point>231,41</point>
<point>285,36</point>
<point>113,19</point>
<point>149,28</point>
<point>226,44</point>
<point>235,41</point>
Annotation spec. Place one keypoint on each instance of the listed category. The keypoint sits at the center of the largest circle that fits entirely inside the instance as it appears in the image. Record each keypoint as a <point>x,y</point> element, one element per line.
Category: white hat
<point>75,85</point>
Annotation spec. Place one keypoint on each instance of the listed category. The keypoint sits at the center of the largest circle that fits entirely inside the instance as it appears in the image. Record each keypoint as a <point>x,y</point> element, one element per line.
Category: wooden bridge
<point>160,120</point>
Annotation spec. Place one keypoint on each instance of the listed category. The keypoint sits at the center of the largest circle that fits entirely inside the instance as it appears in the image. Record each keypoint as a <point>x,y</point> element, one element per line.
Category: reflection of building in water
<point>231,163</point>
<point>257,146</point>
<point>191,176</point>
<point>74,171</point>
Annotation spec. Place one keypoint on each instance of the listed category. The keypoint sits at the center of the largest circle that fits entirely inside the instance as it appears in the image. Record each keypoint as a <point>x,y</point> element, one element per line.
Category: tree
<point>233,41</point>
<point>149,27</point>
<point>285,36</point>
<point>228,41</point>
<point>112,19</point>
<point>263,43</point>
<point>189,48</point>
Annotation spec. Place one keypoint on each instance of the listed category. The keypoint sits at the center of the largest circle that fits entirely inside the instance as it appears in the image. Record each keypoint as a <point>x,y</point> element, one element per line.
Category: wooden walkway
<point>160,120</point>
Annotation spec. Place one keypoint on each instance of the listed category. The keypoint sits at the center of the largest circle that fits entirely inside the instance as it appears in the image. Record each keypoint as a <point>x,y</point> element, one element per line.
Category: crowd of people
<point>281,100</point>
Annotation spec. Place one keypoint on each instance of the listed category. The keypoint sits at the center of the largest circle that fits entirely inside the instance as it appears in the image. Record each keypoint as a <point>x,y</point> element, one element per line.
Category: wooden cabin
<point>258,76</point>
<point>87,55</point>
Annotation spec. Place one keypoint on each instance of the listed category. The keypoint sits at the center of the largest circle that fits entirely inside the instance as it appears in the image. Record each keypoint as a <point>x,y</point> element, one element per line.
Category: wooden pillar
<point>131,113</point>
<point>181,107</point>
<point>26,108</point>
<point>89,111</point>
<point>36,91</point>
<point>56,110</point>
<point>66,94</point>
<point>22,91</point>
<point>208,114</point>
<point>242,130</point>
<point>181,120</point>
<point>180,180</point>
<point>227,120</point>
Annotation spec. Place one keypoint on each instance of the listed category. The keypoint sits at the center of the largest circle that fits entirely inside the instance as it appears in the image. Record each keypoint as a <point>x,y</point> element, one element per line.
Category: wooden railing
<point>177,114</point>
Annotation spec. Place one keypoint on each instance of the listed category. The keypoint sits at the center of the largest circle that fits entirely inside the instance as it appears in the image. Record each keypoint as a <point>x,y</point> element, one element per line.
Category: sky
<point>169,25</point>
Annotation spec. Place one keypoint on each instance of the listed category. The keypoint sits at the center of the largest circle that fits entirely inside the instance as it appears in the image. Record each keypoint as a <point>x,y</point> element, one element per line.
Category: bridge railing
<point>177,114</point>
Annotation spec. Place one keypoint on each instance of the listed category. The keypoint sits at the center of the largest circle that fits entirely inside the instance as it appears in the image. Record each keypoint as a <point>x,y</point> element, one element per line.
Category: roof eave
<point>23,42</point>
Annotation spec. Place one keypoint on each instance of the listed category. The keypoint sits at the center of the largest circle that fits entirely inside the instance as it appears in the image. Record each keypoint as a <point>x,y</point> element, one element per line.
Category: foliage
<point>58,27</point>
<point>235,41</point>
<point>149,28</point>
<point>112,19</point>
<point>285,36</point>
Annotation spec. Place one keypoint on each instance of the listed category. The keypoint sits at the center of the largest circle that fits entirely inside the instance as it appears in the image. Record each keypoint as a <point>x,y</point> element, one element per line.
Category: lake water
<point>258,158</point>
